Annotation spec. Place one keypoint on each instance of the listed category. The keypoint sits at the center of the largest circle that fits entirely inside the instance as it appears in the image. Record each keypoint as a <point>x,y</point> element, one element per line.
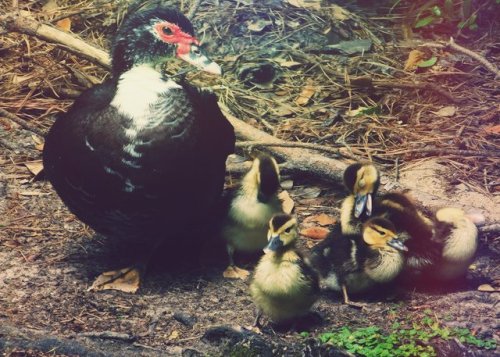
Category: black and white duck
<point>249,208</point>
<point>356,262</point>
<point>283,286</point>
<point>141,157</point>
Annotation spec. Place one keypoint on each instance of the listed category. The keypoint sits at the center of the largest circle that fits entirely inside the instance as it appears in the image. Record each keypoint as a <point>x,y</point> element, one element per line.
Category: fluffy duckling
<point>458,235</point>
<point>250,207</point>
<point>363,180</point>
<point>356,262</point>
<point>283,287</point>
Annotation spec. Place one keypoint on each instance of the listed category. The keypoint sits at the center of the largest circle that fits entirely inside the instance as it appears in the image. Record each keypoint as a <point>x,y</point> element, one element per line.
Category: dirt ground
<point>48,259</point>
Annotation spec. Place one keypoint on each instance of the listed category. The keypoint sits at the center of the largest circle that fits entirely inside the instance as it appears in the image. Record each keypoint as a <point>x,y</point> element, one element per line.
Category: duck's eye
<point>167,31</point>
<point>288,230</point>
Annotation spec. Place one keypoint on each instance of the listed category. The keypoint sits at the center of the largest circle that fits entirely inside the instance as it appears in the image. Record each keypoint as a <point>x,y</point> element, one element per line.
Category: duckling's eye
<point>167,31</point>
<point>288,230</point>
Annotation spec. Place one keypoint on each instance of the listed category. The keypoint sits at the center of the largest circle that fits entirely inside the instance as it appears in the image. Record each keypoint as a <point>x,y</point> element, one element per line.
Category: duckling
<point>412,225</point>
<point>458,235</point>
<point>250,208</point>
<point>362,180</point>
<point>356,262</point>
<point>283,287</point>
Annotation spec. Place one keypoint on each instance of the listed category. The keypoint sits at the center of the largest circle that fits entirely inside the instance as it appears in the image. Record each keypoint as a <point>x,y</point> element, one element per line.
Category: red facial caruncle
<point>171,33</point>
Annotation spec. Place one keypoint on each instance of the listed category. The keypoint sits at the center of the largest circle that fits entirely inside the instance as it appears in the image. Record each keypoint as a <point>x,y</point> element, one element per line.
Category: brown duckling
<point>249,209</point>
<point>356,262</point>
<point>283,286</point>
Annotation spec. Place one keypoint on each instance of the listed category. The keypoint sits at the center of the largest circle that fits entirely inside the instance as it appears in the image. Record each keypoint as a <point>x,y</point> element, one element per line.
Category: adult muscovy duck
<point>141,158</point>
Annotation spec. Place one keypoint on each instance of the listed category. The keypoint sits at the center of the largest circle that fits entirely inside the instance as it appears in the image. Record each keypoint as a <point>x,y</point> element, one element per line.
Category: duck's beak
<point>198,58</point>
<point>362,204</point>
<point>397,244</point>
<point>274,244</point>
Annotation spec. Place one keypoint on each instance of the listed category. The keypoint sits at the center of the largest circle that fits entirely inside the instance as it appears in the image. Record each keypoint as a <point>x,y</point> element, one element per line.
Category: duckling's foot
<point>233,272</point>
<point>126,279</point>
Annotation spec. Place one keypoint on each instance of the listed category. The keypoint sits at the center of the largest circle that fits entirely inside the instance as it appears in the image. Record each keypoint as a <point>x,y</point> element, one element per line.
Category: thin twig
<point>416,85</point>
<point>490,228</point>
<point>489,66</point>
<point>110,335</point>
<point>193,9</point>
<point>21,122</point>
<point>455,152</point>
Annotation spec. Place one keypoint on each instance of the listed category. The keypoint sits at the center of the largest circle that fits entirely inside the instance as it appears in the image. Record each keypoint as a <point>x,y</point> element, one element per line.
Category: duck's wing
<point>215,124</point>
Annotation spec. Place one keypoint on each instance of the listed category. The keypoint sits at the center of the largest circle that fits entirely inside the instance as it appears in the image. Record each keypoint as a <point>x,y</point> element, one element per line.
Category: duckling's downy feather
<point>284,286</point>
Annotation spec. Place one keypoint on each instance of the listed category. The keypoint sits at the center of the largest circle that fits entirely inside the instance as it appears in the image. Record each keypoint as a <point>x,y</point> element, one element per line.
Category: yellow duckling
<point>356,262</point>
<point>457,234</point>
<point>250,207</point>
<point>283,287</point>
<point>362,179</point>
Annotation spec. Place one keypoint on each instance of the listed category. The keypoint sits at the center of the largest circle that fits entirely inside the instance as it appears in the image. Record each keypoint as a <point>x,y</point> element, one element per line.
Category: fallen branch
<point>312,146</point>
<point>416,85</point>
<point>487,64</point>
<point>109,335</point>
<point>28,25</point>
<point>490,228</point>
<point>21,122</point>
<point>303,160</point>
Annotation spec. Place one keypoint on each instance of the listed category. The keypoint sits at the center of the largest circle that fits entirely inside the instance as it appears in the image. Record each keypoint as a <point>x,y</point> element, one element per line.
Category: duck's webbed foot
<point>233,272</point>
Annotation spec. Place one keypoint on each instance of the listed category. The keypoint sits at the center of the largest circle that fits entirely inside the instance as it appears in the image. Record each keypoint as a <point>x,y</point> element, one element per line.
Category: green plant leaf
<point>428,63</point>
<point>436,10</point>
<point>424,22</point>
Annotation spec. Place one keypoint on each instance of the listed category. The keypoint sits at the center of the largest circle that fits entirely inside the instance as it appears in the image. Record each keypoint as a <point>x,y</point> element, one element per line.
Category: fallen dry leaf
<point>174,335</point>
<point>111,280</point>
<point>446,111</point>
<point>306,94</point>
<point>64,24</point>
<point>50,7</point>
<point>38,142</point>
<point>495,129</point>
<point>322,219</point>
<point>287,202</point>
<point>486,287</point>
<point>315,232</point>
<point>287,184</point>
<point>34,166</point>
<point>339,13</point>
<point>414,57</point>
<point>306,4</point>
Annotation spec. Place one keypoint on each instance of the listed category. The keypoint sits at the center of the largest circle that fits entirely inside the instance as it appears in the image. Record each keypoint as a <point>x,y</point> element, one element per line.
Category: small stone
<point>185,319</point>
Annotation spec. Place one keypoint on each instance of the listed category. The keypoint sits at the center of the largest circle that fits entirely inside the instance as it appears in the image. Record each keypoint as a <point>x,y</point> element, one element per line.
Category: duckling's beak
<point>274,244</point>
<point>397,244</point>
<point>196,56</point>
<point>363,204</point>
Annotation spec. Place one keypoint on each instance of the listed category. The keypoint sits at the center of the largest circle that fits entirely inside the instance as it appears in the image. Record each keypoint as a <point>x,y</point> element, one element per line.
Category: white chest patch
<point>138,90</point>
